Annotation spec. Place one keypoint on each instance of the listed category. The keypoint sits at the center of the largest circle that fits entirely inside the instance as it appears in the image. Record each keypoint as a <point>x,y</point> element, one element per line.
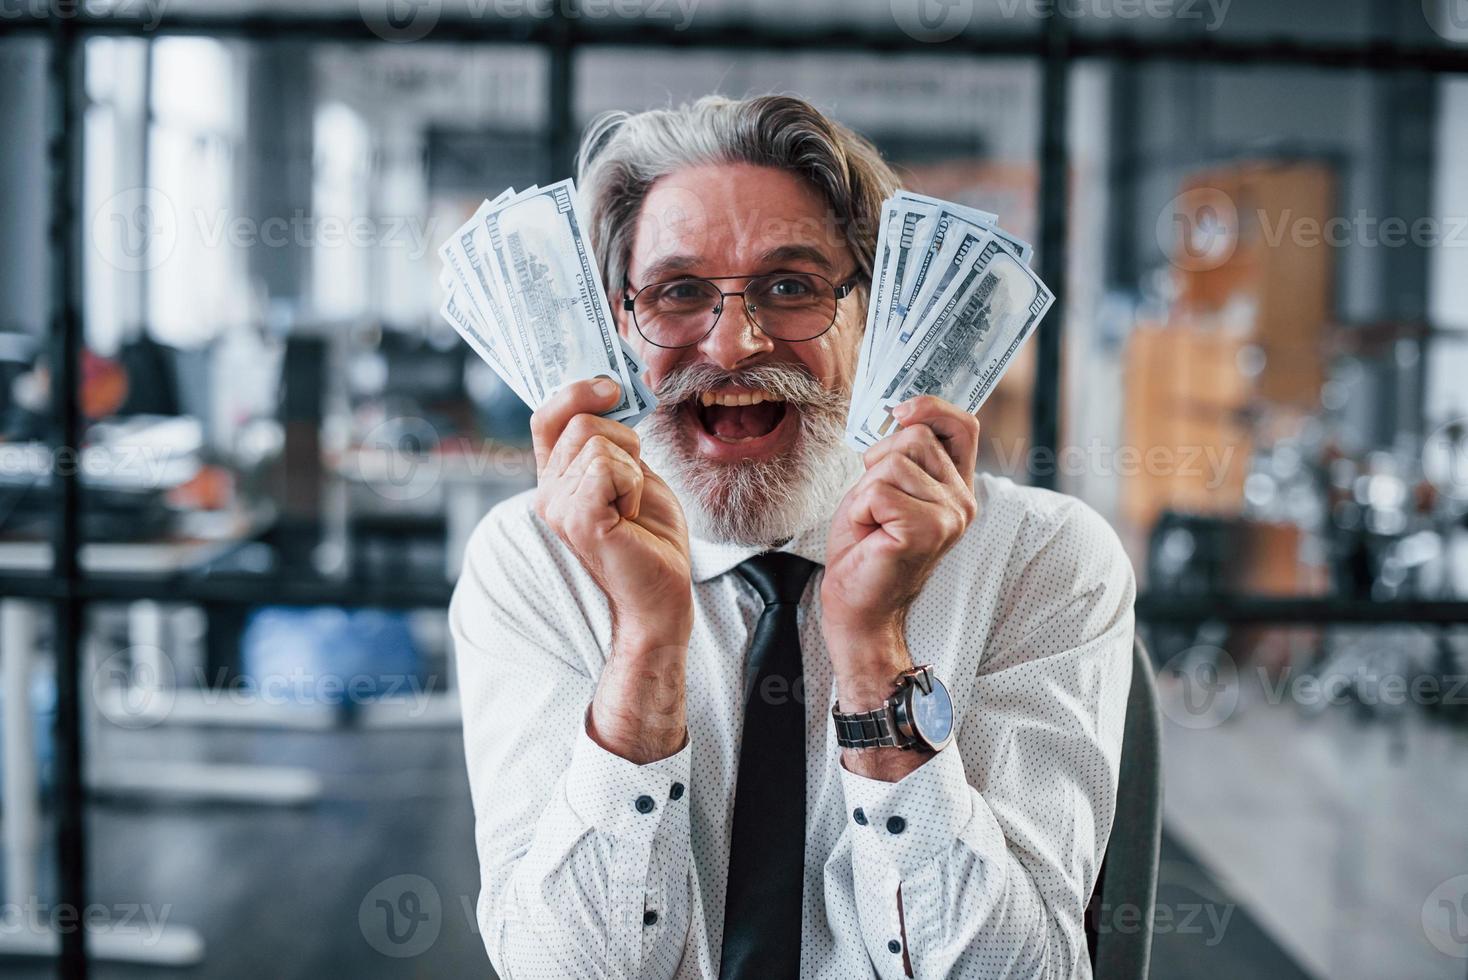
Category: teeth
<point>708,398</point>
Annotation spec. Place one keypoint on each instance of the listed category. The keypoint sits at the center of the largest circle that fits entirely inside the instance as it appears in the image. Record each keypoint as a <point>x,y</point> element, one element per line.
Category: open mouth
<point>738,417</point>
<point>735,424</point>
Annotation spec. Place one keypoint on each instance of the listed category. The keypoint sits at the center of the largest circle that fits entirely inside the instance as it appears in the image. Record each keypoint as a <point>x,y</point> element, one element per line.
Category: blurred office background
<point>227,682</point>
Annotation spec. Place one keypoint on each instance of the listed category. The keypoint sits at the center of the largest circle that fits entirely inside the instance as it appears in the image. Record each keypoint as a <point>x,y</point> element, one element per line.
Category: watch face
<point>932,714</point>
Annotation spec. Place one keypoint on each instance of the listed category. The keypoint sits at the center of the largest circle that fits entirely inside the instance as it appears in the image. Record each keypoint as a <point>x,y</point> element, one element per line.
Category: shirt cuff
<point>910,822</point>
<point>609,792</point>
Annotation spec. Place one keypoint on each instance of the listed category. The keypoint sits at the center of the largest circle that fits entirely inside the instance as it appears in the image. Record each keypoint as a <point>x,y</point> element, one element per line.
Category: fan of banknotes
<point>953,298</point>
<point>522,287</point>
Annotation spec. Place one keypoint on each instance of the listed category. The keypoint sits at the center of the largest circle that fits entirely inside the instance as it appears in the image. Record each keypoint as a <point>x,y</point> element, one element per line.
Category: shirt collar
<point>710,559</point>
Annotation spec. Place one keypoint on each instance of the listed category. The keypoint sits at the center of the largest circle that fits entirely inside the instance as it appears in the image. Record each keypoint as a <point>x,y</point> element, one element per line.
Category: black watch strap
<point>867,729</point>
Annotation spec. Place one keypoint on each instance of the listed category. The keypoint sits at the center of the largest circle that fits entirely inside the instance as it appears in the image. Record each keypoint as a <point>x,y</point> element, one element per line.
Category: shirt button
<point>893,946</point>
<point>650,918</point>
<point>859,816</point>
<point>676,793</point>
<point>644,804</point>
<point>896,825</point>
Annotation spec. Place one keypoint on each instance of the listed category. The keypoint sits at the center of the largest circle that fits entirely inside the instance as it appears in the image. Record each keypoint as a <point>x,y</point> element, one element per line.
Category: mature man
<point>652,645</point>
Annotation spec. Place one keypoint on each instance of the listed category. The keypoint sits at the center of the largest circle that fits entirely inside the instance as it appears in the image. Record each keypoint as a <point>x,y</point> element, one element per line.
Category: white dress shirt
<point>593,866</point>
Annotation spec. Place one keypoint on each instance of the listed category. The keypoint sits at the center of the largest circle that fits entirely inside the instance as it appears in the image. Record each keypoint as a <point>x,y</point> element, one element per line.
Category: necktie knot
<point>778,576</point>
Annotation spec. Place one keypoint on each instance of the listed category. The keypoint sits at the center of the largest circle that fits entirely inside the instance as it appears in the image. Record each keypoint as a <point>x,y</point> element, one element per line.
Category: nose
<point>735,340</point>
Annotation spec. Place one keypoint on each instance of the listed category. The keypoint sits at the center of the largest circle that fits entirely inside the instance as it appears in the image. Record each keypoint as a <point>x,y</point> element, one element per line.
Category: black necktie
<point>762,908</point>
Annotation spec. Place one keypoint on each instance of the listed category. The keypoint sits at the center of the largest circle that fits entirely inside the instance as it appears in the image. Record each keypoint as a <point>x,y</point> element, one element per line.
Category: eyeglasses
<point>788,306</point>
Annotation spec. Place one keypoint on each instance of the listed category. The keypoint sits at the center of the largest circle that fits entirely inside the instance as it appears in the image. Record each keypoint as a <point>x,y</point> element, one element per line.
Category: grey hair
<point>622,154</point>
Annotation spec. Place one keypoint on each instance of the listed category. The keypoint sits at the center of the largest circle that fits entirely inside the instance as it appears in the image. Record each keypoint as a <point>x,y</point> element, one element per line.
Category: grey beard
<point>754,502</point>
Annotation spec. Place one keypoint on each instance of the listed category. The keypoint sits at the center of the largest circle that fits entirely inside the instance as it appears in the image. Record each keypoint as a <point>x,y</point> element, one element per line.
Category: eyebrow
<point>672,266</point>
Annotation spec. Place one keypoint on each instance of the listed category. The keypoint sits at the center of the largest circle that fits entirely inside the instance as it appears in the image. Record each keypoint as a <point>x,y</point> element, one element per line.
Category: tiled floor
<point>277,892</point>
<point>1340,832</point>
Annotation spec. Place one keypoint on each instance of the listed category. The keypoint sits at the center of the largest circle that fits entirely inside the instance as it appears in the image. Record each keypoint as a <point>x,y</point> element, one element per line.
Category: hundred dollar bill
<point>464,255</point>
<point>642,395</point>
<point>986,316</point>
<point>978,218</point>
<point>558,311</point>
<point>959,247</point>
<point>479,336</point>
<point>905,228</point>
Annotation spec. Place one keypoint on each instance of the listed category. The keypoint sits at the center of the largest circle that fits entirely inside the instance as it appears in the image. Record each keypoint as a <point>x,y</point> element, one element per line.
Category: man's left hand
<point>914,502</point>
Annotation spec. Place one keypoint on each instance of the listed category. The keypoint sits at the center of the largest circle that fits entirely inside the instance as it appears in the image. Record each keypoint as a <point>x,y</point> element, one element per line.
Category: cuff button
<point>896,825</point>
<point>644,804</point>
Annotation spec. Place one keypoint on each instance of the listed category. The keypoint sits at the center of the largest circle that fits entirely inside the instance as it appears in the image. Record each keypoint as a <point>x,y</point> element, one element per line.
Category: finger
<point>582,429</point>
<point>901,471</point>
<point>957,430</point>
<point>547,422</point>
<point>620,471</point>
<point>917,524</point>
<point>922,445</point>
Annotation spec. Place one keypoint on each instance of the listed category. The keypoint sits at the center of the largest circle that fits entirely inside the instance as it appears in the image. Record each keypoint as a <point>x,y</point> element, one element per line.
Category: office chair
<point>1119,918</point>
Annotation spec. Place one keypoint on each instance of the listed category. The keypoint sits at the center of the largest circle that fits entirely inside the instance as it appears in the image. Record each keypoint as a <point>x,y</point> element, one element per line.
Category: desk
<point>20,627</point>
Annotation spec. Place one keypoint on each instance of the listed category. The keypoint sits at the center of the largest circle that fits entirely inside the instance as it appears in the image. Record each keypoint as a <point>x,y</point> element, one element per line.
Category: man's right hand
<point>626,528</point>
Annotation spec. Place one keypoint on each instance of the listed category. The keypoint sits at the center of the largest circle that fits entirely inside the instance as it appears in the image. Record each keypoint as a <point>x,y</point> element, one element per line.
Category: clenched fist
<point>626,528</point>
<point>618,517</point>
<point>914,502</point>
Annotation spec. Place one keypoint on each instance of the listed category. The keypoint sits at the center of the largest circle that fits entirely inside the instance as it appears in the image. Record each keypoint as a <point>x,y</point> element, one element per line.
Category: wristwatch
<point>918,716</point>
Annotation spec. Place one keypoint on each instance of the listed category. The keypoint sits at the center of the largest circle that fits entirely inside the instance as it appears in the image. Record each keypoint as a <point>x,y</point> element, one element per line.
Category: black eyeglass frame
<point>629,303</point>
